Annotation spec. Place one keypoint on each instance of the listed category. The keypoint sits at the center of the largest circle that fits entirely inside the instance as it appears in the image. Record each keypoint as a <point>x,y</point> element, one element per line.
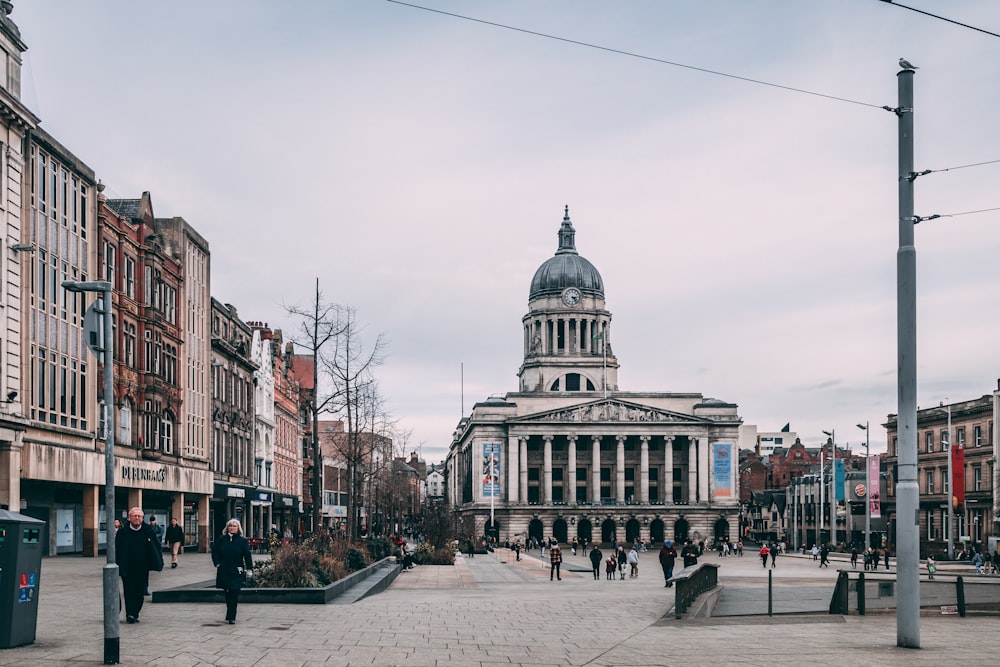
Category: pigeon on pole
<point>905,64</point>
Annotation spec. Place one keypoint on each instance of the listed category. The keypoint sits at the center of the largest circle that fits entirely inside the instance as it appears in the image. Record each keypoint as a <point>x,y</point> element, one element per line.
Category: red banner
<point>958,476</point>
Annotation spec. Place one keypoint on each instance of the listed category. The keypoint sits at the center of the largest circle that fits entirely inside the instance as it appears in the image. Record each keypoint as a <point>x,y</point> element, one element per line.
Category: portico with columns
<point>579,458</point>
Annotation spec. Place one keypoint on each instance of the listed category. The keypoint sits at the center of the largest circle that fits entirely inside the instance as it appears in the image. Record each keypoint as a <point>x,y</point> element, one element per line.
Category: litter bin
<point>20,574</point>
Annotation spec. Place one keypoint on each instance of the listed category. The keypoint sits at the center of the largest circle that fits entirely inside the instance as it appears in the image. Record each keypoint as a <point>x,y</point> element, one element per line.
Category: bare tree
<point>350,367</point>
<point>319,325</point>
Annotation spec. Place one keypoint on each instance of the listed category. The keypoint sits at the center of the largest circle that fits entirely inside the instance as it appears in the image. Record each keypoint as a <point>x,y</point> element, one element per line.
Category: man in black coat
<point>137,552</point>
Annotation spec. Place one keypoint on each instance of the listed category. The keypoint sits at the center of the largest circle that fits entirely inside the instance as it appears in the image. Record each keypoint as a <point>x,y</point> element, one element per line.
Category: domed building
<point>571,456</point>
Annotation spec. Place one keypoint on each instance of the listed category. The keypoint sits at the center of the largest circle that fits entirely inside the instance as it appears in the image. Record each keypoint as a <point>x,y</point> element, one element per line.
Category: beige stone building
<point>570,454</point>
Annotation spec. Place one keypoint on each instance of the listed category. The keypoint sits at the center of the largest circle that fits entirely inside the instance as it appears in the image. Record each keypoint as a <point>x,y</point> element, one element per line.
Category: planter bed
<point>205,591</point>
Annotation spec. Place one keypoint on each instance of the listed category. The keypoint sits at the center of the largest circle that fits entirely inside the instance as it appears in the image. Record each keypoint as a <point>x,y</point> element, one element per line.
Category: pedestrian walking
<point>763,553</point>
<point>555,560</point>
<point>137,552</point>
<point>609,567</point>
<point>931,566</point>
<point>517,549</point>
<point>854,557</point>
<point>887,559</point>
<point>230,555</point>
<point>575,544</point>
<point>622,560</point>
<point>774,555</point>
<point>595,562</point>
<point>668,555</point>
<point>689,553</point>
<point>175,540</point>
<point>815,552</point>
<point>824,555</point>
<point>633,562</point>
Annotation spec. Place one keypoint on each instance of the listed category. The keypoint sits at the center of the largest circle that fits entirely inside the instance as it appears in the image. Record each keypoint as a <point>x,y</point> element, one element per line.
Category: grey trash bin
<point>20,576</point>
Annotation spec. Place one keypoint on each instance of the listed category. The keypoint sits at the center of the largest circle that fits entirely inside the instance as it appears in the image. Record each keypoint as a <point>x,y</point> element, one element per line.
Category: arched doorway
<point>559,530</point>
<point>608,528</point>
<point>656,531</point>
<point>535,530</point>
<point>585,531</point>
<point>681,528</point>
<point>492,530</point>
<point>721,529</point>
<point>631,530</point>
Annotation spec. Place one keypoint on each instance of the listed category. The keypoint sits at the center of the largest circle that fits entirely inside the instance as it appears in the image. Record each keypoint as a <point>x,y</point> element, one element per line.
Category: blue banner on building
<point>839,479</point>
<point>492,470</point>
<point>722,470</point>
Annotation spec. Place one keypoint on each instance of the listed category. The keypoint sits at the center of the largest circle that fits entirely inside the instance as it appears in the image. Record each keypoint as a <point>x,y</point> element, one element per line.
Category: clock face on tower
<point>571,296</point>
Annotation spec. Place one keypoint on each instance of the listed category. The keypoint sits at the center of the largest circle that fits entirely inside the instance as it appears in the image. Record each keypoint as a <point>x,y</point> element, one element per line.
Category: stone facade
<point>570,455</point>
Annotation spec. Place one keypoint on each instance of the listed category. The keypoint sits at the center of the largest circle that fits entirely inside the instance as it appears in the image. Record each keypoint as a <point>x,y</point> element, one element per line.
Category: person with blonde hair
<point>231,557</point>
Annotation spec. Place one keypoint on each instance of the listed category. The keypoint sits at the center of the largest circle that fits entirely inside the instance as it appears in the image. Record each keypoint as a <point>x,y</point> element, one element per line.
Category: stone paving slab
<point>484,611</point>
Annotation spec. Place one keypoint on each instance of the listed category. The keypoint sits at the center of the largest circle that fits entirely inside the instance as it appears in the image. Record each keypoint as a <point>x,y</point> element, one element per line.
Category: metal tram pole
<point>907,491</point>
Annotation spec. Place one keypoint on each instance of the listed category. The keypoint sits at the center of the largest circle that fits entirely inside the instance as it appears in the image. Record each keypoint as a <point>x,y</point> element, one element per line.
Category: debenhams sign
<point>134,473</point>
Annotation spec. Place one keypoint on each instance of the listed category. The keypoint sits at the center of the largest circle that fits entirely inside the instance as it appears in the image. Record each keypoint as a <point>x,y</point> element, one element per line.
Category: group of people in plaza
<point>138,551</point>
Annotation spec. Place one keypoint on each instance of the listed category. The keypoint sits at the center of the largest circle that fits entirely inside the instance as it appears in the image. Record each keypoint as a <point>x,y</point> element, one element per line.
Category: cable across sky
<point>638,55</point>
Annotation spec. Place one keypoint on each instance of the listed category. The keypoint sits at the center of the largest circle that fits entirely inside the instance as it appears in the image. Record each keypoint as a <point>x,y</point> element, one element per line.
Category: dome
<point>566,269</point>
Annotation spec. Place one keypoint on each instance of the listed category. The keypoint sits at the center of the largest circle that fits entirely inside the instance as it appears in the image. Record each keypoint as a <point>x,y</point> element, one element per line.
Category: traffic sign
<point>93,327</point>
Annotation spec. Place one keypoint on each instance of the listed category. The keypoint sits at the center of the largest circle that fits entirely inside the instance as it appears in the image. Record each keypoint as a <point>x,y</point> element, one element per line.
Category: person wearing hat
<point>668,555</point>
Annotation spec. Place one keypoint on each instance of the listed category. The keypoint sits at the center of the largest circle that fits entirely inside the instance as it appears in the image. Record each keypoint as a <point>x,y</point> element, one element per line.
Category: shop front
<point>230,501</point>
<point>65,487</point>
<point>284,514</point>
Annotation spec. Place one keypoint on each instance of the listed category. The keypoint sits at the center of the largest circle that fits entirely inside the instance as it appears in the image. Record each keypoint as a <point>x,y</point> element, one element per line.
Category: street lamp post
<point>111,611</point>
<point>833,486</point>
<point>951,495</point>
<point>868,487</point>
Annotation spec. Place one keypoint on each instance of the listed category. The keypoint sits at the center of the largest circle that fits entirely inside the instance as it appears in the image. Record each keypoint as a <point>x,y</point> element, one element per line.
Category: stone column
<point>134,500</point>
<point>91,518</point>
<point>667,485</point>
<point>513,469</point>
<point>620,470</point>
<point>547,471</point>
<point>204,534</point>
<point>523,461</point>
<point>10,469</point>
<point>595,473</point>
<point>704,470</point>
<point>644,468</point>
<point>569,491</point>
<point>692,469</point>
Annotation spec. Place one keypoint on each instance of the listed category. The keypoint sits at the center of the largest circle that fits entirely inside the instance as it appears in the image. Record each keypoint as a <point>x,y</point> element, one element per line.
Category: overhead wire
<point>964,166</point>
<point>942,18</point>
<point>636,55</point>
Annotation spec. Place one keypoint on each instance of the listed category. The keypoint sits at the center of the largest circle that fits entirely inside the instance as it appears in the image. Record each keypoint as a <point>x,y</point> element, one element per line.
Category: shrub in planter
<point>442,556</point>
<point>291,566</point>
<point>379,548</point>
<point>355,559</point>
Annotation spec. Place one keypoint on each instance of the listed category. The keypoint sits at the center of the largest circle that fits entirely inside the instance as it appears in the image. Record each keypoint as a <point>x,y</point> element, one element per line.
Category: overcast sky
<point>418,165</point>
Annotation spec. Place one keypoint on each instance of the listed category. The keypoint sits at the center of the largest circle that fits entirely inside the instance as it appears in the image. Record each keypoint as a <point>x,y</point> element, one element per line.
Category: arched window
<point>167,433</point>
<point>125,418</point>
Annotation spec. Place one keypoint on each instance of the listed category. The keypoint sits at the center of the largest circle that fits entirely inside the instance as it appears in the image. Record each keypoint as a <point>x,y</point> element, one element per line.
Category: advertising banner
<point>722,470</point>
<point>874,501</point>
<point>958,476</point>
<point>491,470</point>
<point>838,479</point>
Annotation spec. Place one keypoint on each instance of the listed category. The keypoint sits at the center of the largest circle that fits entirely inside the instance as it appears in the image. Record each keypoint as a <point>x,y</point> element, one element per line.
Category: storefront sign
<point>235,492</point>
<point>262,497</point>
<point>140,473</point>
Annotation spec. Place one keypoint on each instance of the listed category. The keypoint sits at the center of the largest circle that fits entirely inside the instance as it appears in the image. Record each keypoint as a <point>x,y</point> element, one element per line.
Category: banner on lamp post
<point>874,501</point>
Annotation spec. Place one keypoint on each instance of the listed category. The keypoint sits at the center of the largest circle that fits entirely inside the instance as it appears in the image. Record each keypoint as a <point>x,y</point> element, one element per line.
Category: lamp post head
<point>863,427</point>
<point>87,285</point>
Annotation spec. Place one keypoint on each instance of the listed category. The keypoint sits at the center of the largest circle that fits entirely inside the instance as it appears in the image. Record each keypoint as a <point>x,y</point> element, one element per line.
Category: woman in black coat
<point>230,554</point>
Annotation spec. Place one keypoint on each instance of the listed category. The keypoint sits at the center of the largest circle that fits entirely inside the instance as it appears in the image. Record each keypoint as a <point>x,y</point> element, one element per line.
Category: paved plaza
<point>492,610</point>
